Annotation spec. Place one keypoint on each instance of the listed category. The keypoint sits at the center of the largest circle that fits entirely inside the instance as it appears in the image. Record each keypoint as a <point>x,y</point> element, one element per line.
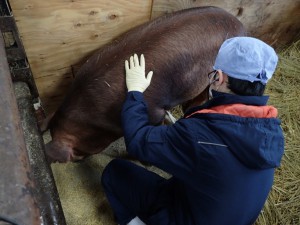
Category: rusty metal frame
<point>16,56</point>
<point>28,194</point>
<point>17,200</point>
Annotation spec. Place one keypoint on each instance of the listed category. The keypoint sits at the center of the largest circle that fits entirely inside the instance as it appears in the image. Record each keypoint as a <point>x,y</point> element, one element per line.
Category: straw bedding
<point>283,204</point>
<point>84,202</point>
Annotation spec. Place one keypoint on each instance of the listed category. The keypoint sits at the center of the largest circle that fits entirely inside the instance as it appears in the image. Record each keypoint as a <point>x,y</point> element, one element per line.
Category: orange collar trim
<point>242,111</point>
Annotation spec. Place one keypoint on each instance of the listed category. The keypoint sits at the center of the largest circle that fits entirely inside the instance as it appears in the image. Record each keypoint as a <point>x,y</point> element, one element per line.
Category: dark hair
<point>244,87</point>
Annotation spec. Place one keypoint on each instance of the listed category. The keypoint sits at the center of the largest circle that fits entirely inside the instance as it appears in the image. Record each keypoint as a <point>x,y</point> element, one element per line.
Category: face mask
<point>210,95</point>
<point>212,76</point>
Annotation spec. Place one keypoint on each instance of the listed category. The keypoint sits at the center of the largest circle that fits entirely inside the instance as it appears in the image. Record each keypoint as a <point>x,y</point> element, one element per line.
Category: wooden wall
<point>59,34</point>
<point>274,21</point>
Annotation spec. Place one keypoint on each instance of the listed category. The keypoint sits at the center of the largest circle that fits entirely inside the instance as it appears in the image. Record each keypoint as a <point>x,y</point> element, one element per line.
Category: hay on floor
<point>84,202</point>
<point>283,204</point>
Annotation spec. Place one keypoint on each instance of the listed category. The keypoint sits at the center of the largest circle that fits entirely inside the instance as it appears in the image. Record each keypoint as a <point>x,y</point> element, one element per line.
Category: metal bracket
<point>16,56</point>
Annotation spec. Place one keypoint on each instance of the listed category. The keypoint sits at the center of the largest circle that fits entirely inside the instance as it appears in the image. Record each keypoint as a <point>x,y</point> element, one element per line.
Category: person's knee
<point>113,169</point>
<point>108,170</point>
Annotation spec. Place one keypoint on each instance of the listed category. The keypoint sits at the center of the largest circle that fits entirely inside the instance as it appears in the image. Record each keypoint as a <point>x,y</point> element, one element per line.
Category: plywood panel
<point>274,21</point>
<point>58,34</point>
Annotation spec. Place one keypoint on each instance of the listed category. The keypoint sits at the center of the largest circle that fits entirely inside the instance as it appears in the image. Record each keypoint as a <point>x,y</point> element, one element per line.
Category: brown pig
<point>180,48</point>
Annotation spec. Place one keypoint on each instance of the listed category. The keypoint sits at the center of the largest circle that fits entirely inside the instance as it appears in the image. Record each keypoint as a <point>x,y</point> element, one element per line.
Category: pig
<point>179,47</point>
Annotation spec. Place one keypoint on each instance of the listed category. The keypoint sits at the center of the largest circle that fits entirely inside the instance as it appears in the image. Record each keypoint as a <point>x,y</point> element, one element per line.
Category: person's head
<point>243,66</point>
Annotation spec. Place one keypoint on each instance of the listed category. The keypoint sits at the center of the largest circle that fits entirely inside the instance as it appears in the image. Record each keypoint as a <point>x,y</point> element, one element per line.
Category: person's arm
<point>162,146</point>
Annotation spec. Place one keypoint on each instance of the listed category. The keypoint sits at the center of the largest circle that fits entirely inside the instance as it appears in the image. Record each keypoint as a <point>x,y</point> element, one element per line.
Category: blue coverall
<point>222,165</point>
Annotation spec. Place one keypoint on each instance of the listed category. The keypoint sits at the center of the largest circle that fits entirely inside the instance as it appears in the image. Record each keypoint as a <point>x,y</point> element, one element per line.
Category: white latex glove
<point>135,74</point>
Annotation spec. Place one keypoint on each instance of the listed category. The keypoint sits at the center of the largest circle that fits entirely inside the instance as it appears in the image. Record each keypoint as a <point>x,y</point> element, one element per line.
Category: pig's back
<point>180,48</point>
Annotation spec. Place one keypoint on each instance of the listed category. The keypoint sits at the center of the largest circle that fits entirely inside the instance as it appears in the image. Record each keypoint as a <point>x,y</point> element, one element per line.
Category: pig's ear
<point>45,123</point>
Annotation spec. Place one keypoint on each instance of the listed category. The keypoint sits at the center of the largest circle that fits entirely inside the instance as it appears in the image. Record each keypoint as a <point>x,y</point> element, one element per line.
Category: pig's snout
<point>58,152</point>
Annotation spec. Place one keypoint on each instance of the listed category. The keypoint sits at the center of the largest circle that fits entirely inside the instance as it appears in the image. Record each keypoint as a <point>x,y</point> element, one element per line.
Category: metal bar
<point>15,51</point>
<point>21,72</point>
<point>22,149</point>
<point>46,192</point>
<point>17,200</point>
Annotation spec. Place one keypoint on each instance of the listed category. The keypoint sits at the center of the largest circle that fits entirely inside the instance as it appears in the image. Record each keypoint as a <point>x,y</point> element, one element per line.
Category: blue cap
<point>247,58</point>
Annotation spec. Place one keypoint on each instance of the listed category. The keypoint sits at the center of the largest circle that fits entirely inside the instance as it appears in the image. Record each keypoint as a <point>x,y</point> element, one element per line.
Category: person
<point>221,155</point>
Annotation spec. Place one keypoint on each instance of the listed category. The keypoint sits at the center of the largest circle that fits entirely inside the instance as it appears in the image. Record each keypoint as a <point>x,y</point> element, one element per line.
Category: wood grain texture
<point>59,34</point>
<point>274,21</point>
